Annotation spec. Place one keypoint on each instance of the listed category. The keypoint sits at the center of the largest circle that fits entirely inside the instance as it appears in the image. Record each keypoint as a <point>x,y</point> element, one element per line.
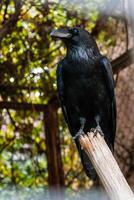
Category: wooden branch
<point>106,167</point>
<point>123,61</point>
<point>11,22</point>
<point>22,106</point>
<point>29,106</point>
<point>9,87</point>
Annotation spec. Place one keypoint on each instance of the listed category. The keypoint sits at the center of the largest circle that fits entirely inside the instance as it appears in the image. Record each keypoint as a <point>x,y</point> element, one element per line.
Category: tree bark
<point>106,167</point>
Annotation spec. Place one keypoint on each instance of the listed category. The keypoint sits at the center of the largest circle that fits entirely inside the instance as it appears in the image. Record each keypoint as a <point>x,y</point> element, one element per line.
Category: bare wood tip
<point>106,166</point>
<point>85,142</point>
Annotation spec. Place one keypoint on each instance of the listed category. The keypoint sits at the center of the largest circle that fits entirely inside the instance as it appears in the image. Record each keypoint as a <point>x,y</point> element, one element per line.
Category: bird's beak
<point>61,33</point>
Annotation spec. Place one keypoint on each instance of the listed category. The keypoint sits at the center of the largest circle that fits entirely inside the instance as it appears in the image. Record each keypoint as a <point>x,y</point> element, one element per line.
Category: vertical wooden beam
<point>131,16</point>
<point>55,169</point>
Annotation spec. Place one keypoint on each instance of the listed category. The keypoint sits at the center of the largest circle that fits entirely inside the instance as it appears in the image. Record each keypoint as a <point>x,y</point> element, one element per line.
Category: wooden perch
<point>106,167</point>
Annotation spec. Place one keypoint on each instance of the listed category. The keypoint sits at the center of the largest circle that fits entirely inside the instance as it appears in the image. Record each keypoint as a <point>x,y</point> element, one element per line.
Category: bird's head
<point>73,36</point>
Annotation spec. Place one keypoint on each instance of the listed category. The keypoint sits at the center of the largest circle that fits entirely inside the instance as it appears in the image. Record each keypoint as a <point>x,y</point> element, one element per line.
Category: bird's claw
<point>96,131</point>
<point>79,133</point>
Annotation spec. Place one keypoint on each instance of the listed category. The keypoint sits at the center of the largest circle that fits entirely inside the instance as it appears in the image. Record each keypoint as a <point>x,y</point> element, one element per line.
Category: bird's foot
<point>96,131</point>
<point>79,133</point>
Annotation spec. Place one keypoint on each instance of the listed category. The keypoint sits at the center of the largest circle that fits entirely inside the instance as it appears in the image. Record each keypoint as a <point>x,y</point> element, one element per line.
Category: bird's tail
<point>87,165</point>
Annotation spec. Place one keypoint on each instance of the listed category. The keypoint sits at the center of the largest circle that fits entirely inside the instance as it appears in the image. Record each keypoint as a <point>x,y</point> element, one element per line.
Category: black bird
<point>86,89</point>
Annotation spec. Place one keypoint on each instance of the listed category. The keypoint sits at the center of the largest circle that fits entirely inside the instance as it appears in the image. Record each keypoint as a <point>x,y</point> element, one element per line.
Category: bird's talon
<point>96,131</point>
<point>101,133</point>
<point>79,133</point>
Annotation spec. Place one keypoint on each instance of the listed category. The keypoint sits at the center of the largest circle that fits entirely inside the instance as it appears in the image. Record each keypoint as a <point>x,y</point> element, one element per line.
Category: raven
<point>86,90</point>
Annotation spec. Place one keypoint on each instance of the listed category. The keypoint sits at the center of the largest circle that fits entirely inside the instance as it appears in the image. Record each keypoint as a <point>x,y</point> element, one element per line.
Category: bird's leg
<point>82,124</point>
<point>97,129</point>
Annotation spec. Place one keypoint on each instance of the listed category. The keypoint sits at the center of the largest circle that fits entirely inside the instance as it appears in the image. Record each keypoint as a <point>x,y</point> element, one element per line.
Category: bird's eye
<point>74,31</point>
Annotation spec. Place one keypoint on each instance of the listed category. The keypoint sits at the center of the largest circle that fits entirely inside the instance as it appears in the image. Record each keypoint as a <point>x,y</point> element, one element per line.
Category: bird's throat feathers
<point>82,54</point>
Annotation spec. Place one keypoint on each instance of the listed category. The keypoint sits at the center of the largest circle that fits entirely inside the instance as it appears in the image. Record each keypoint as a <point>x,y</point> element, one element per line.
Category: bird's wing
<point>61,91</point>
<point>60,83</point>
<point>90,171</point>
<point>108,76</point>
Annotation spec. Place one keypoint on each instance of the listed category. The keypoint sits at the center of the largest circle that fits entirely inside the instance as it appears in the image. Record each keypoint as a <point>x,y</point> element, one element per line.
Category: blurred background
<point>36,149</point>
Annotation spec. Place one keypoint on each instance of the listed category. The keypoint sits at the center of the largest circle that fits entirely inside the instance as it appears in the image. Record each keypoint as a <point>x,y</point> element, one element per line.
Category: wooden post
<point>55,168</point>
<point>106,167</point>
<point>130,14</point>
